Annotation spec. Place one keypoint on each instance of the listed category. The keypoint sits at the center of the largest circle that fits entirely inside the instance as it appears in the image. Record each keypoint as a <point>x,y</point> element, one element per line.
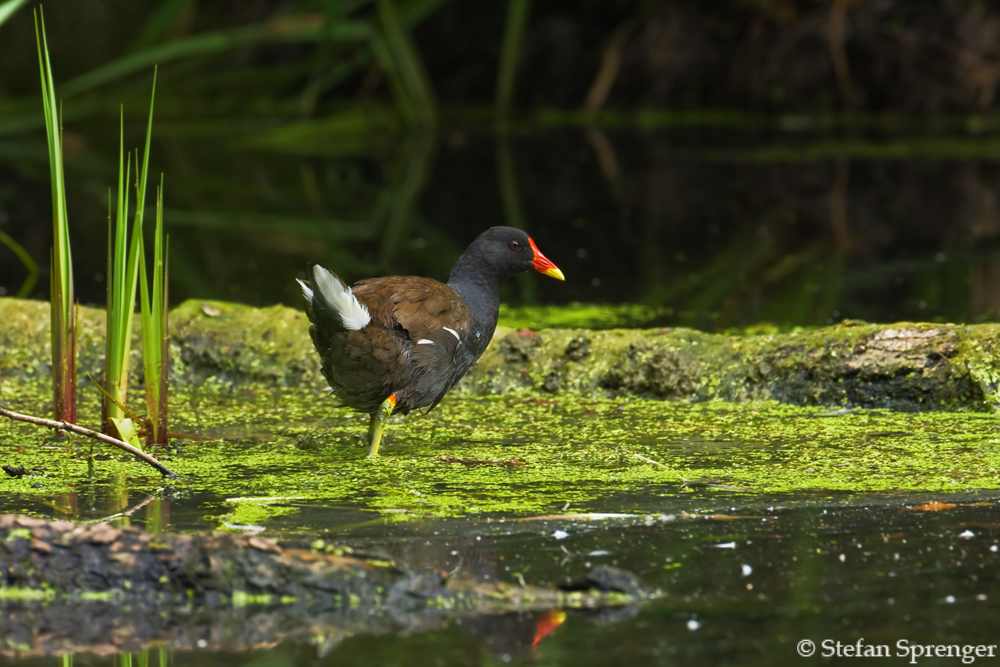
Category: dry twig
<point>73,428</point>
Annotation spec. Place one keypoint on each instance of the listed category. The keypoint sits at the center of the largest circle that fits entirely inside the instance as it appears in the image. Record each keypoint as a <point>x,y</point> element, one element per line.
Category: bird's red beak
<point>543,265</point>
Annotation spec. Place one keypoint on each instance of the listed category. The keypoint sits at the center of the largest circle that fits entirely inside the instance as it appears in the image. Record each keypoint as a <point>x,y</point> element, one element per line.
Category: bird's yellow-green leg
<point>377,424</point>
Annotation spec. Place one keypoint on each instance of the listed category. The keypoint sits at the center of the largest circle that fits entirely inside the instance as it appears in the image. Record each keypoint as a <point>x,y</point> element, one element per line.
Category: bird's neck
<point>481,293</point>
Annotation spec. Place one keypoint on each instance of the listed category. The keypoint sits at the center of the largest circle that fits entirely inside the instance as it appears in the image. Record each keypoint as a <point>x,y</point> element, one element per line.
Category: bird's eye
<point>514,245</point>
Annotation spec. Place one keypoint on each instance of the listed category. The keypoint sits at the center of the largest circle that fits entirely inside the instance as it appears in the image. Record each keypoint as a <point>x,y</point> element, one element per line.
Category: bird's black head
<point>505,251</point>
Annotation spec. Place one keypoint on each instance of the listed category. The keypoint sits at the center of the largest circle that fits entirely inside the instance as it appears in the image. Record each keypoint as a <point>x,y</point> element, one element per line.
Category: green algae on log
<point>907,366</point>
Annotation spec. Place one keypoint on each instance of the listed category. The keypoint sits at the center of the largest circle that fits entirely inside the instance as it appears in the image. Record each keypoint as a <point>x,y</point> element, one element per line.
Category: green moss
<point>96,596</point>
<point>244,599</point>
<point>26,594</point>
<point>909,366</point>
<point>295,444</point>
<point>582,316</point>
<point>566,405</point>
<point>253,513</point>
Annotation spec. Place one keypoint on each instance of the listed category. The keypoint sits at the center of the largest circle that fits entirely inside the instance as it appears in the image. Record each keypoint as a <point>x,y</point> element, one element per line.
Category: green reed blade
<point>7,9</point>
<point>408,63</point>
<point>126,429</point>
<point>159,24</point>
<point>155,335</point>
<point>141,202</point>
<point>109,286</point>
<point>151,359</point>
<point>61,262</point>
<point>119,311</point>
<point>510,54</point>
<point>26,259</point>
<point>124,271</point>
<point>161,415</point>
<point>211,43</point>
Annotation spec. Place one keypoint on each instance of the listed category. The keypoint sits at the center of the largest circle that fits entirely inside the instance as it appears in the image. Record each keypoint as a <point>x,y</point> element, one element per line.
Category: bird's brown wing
<point>431,323</point>
<point>421,306</point>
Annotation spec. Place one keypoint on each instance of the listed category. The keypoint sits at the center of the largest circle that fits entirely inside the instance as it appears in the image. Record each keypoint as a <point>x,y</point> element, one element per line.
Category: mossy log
<point>178,587</point>
<point>905,366</point>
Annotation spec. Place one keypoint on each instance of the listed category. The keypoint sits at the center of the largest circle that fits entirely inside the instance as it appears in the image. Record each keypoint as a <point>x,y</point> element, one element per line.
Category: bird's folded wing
<point>426,309</point>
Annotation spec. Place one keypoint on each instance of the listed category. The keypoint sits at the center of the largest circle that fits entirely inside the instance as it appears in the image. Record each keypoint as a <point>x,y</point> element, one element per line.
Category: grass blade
<point>155,336</point>
<point>9,8</point>
<point>127,429</point>
<point>513,209</point>
<point>141,201</point>
<point>159,24</point>
<point>119,310</point>
<point>123,273</point>
<point>61,261</point>
<point>28,262</point>
<point>510,54</point>
<point>408,64</point>
<point>305,29</point>
<point>161,415</point>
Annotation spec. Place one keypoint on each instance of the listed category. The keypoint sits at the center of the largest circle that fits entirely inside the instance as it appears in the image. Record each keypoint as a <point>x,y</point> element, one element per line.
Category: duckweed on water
<point>296,445</point>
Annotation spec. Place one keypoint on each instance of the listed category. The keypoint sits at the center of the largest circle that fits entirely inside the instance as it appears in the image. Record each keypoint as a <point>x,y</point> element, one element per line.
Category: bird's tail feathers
<point>331,303</point>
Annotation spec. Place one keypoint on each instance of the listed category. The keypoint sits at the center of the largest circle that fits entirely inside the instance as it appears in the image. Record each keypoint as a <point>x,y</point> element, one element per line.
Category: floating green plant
<point>61,260</point>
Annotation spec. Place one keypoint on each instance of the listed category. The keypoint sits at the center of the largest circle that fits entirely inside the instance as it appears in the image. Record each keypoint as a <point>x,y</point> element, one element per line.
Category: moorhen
<point>402,342</point>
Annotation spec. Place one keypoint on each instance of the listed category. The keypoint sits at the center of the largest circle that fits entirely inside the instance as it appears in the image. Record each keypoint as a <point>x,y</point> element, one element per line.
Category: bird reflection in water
<point>509,637</point>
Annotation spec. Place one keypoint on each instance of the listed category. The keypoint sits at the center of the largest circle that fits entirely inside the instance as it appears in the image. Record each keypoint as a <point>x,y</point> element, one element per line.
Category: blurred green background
<point>718,165</point>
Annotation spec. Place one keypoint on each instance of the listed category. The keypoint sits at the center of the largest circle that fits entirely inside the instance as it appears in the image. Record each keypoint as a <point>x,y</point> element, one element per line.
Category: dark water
<point>744,580</point>
<point>741,577</point>
<point>718,226</point>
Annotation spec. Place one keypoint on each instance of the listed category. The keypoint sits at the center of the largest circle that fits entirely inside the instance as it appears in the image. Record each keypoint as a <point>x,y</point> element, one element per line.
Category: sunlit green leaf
<point>126,428</point>
<point>8,8</point>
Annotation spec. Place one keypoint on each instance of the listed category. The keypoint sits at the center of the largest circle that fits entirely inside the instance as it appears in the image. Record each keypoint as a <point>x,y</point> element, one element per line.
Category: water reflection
<point>742,587</point>
<point>719,228</point>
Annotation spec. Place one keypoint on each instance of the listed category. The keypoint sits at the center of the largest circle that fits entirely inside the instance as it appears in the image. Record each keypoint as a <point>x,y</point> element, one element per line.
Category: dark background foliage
<point>726,163</point>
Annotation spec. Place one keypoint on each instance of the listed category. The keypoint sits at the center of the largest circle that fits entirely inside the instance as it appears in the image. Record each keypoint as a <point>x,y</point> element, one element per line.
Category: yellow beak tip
<point>555,273</point>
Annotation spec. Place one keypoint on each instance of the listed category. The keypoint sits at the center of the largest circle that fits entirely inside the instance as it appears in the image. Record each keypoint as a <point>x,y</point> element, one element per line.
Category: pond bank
<point>904,366</point>
<point>98,572</point>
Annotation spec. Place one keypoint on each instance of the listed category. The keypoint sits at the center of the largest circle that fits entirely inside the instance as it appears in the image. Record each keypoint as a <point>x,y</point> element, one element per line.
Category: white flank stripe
<point>424,341</point>
<point>306,290</point>
<point>340,297</point>
<point>453,333</point>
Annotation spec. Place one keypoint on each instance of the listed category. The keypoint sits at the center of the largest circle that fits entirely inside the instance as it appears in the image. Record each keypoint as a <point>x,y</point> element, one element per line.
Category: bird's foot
<point>377,424</point>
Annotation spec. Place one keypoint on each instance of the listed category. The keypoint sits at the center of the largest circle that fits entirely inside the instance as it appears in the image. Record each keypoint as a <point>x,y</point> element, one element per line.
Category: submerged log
<point>62,558</point>
<point>64,586</point>
<point>909,366</point>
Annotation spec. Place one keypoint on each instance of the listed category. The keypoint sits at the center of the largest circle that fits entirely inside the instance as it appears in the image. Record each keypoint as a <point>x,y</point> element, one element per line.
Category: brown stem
<point>607,159</point>
<point>66,426</point>
<point>838,52</point>
<point>124,513</point>
<point>607,73</point>
<point>838,205</point>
